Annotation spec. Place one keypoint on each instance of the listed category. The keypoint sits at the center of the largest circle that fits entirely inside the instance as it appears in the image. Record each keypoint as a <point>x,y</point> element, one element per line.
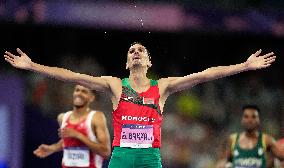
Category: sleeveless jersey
<point>75,153</point>
<point>138,118</point>
<point>249,158</point>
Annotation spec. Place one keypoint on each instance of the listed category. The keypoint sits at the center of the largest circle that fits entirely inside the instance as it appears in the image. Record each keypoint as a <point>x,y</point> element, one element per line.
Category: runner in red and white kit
<point>138,101</point>
<point>84,134</point>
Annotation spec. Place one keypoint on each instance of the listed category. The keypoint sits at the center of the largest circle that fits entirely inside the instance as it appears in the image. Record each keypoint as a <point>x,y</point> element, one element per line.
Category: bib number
<point>136,136</point>
<point>76,157</point>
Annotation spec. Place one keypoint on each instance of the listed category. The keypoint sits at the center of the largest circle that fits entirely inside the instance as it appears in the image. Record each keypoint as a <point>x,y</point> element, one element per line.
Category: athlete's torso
<point>77,154</point>
<point>249,158</point>
<point>137,119</point>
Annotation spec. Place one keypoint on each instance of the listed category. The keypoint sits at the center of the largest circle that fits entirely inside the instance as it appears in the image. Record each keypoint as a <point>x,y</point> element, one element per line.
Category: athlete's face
<point>250,119</point>
<point>137,56</point>
<point>82,96</point>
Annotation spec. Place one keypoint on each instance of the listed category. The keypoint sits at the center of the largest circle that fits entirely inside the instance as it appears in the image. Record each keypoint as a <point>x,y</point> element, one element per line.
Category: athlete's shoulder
<point>99,115</point>
<point>232,140</point>
<point>165,82</point>
<point>98,119</point>
<point>268,139</point>
<point>99,112</point>
<point>60,117</point>
<point>265,134</point>
<point>233,135</point>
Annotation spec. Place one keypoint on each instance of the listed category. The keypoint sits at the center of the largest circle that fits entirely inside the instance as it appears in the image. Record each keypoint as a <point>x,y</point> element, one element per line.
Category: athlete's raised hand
<point>257,61</point>
<point>44,150</point>
<point>21,61</point>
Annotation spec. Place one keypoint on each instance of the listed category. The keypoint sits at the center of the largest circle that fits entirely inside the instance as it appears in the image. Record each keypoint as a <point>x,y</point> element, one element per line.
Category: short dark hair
<point>251,106</point>
<point>136,42</point>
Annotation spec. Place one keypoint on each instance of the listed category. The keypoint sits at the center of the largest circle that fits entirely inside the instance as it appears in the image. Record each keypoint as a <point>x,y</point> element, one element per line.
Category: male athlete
<point>251,147</point>
<point>138,102</point>
<point>84,134</point>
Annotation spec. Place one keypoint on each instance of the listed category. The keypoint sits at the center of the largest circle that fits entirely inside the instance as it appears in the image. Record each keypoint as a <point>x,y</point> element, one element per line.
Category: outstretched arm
<point>24,62</point>
<point>255,61</point>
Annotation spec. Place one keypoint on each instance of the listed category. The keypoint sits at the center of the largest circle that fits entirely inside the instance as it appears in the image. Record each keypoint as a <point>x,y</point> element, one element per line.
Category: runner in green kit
<point>249,149</point>
<point>138,101</point>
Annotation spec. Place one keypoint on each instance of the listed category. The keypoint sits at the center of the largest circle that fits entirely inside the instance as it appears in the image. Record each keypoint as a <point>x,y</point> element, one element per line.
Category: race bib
<point>76,157</point>
<point>249,162</point>
<point>136,136</point>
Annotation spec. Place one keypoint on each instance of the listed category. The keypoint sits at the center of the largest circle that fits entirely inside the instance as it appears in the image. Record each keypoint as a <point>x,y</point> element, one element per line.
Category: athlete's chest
<point>150,96</point>
<point>248,143</point>
<point>79,126</point>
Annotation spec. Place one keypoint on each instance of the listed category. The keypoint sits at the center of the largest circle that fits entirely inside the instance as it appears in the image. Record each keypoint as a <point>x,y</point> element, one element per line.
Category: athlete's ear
<point>93,97</point>
<point>149,64</point>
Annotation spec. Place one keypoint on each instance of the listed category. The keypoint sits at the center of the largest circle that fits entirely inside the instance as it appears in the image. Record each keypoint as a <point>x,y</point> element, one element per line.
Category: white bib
<point>136,136</point>
<point>76,157</point>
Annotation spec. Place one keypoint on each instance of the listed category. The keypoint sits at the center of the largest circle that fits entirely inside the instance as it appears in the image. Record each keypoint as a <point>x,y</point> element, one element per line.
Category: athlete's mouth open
<point>78,99</point>
<point>136,57</point>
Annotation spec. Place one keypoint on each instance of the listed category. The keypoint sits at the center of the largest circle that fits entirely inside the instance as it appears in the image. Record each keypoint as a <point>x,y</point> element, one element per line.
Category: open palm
<point>43,151</point>
<point>257,61</point>
<point>22,61</point>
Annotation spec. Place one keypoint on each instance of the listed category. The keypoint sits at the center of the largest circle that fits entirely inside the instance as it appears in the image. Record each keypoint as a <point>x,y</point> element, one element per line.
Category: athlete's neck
<point>252,134</point>
<point>138,76</point>
<point>80,111</point>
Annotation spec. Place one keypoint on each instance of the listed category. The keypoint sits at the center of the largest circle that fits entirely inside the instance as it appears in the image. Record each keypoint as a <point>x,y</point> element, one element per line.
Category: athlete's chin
<point>251,129</point>
<point>136,65</point>
<point>79,105</point>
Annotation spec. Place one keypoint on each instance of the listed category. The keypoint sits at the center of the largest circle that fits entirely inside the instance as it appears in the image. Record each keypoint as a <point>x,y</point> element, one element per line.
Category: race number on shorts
<point>76,157</point>
<point>136,136</point>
